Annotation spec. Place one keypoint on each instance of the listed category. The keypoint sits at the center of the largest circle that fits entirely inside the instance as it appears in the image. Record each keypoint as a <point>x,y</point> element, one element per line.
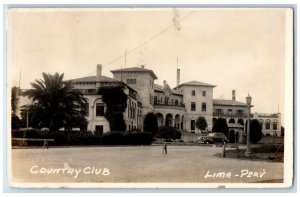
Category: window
<point>99,130</point>
<point>99,109</point>
<point>192,125</point>
<point>219,111</point>
<point>203,93</point>
<point>131,81</point>
<point>240,111</point>
<point>193,92</point>
<point>229,110</point>
<point>268,125</point>
<point>275,125</point>
<point>166,100</point>
<point>203,107</point>
<point>193,106</point>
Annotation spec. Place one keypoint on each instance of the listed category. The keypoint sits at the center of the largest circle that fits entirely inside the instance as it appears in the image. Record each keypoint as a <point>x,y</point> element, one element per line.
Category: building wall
<point>144,86</point>
<point>225,110</point>
<point>198,99</point>
<point>263,118</point>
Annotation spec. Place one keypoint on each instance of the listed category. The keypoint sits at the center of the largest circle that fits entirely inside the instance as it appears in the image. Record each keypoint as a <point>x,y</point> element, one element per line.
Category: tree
<point>282,131</point>
<point>150,123</point>
<point>14,100</point>
<point>56,103</point>
<point>221,126</point>
<point>201,123</point>
<point>116,102</point>
<point>255,131</point>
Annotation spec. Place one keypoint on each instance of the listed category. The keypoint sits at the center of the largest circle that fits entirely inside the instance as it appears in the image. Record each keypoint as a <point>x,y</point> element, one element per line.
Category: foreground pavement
<point>138,164</point>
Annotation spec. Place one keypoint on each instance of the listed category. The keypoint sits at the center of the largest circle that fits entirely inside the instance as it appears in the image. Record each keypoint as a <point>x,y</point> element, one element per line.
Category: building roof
<point>135,69</point>
<point>196,83</point>
<point>102,79</point>
<point>161,89</point>
<point>228,102</point>
<point>93,79</point>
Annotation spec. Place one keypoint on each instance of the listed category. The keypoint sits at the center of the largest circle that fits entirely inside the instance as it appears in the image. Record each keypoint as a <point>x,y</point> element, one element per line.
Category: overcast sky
<point>242,50</point>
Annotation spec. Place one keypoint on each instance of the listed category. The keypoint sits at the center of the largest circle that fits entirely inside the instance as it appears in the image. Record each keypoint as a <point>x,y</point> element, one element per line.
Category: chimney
<point>178,76</point>
<point>99,71</point>
<point>233,95</point>
<point>165,83</point>
<point>142,66</point>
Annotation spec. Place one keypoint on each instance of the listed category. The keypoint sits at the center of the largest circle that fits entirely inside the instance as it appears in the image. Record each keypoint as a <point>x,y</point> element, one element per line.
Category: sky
<point>234,49</point>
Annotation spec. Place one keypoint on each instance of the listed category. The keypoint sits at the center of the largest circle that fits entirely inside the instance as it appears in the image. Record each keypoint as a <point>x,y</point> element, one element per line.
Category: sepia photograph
<point>170,97</point>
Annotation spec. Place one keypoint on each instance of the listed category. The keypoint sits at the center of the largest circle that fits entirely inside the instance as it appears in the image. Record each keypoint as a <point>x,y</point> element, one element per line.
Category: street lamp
<point>248,101</point>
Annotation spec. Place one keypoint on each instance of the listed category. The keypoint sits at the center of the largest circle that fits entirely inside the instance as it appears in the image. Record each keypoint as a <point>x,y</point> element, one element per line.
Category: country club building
<point>178,107</point>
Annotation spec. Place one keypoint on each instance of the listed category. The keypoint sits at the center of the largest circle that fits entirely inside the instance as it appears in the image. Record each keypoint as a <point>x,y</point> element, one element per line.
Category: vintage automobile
<point>212,138</point>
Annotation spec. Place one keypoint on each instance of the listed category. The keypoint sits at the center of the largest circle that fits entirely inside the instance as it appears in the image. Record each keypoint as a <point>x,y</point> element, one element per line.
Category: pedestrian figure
<point>165,148</point>
<point>45,144</point>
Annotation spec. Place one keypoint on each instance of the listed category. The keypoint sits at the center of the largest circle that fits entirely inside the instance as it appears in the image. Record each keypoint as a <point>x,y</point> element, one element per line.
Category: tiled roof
<point>161,88</point>
<point>94,79</point>
<point>196,83</point>
<point>228,102</point>
<point>135,69</point>
<point>158,87</point>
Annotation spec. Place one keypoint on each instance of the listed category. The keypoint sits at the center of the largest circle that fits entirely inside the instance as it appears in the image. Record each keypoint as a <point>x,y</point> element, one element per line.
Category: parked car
<point>212,138</point>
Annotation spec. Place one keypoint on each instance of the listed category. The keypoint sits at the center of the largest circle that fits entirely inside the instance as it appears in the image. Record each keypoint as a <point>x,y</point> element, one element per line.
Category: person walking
<point>165,148</point>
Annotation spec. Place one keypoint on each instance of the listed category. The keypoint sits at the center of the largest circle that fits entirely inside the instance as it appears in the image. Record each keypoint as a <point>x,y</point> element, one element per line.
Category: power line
<point>128,52</point>
<point>148,40</point>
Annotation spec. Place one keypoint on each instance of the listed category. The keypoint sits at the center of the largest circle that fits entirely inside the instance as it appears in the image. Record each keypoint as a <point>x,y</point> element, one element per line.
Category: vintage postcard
<point>150,97</point>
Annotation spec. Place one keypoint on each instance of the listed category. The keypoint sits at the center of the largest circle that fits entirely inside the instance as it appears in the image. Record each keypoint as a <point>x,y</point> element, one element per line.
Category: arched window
<point>231,120</point>
<point>241,122</point>
<point>268,124</point>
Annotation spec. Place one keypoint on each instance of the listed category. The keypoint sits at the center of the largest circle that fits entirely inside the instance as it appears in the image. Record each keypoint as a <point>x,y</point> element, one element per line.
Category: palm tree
<point>56,102</point>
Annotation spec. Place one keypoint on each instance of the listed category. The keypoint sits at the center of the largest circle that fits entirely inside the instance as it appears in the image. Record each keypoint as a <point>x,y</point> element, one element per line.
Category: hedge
<point>168,132</point>
<point>63,138</point>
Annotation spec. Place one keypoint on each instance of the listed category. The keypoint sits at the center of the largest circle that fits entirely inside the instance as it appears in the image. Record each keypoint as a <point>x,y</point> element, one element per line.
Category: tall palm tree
<point>57,102</point>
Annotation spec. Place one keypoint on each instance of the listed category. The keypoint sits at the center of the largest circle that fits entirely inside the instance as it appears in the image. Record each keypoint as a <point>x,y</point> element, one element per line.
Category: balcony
<point>230,114</point>
<point>168,104</point>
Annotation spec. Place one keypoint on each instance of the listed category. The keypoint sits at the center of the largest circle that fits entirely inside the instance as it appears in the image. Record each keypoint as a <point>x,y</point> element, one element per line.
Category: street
<point>134,164</point>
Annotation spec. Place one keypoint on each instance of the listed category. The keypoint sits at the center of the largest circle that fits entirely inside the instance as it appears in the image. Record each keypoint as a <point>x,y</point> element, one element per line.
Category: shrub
<point>135,138</point>
<point>221,126</point>
<point>168,132</point>
<point>201,123</point>
<point>150,123</point>
<point>112,138</point>
<point>255,131</point>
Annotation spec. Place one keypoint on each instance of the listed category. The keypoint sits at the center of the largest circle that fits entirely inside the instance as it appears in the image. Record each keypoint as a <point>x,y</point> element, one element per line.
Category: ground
<point>133,164</point>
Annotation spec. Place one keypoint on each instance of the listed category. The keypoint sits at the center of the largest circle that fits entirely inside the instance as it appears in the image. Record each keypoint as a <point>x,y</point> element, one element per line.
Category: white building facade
<point>177,107</point>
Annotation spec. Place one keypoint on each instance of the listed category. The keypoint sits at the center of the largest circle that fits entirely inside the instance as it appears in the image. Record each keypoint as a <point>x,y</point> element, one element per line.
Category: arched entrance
<point>169,120</point>
<point>231,136</point>
<point>182,121</point>
<point>237,137</point>
<point>177,121</point>
<point>160,119</point>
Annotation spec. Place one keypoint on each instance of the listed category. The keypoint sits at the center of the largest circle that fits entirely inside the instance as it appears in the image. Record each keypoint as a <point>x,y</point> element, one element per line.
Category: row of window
<point>100,110</point>
<point>85,83</point>
<point>268,124</point>
<point>131,81</point>
<point>194,108</point>
<point>194,93</point>
<point>220,111</point>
